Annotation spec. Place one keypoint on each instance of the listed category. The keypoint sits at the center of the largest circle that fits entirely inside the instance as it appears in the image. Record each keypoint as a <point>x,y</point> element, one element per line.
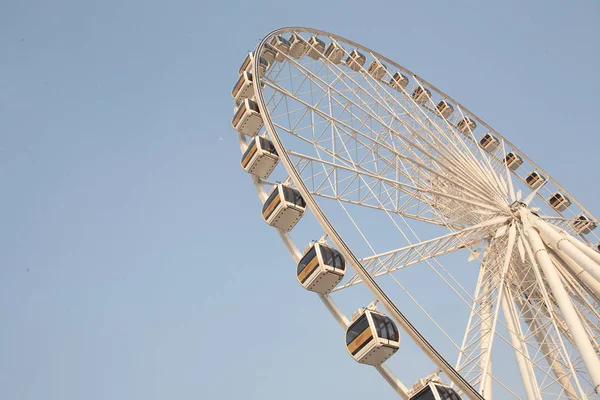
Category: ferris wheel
<point>432,227</point>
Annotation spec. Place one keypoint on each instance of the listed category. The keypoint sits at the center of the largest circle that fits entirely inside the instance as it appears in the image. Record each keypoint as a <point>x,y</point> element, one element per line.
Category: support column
<point>559,242</point>
<point>485,332</point>
<point>516,338</point>
<point>594,255</point>
<point>580,273</point>
<point>578,333</point>
<point>541,336</point>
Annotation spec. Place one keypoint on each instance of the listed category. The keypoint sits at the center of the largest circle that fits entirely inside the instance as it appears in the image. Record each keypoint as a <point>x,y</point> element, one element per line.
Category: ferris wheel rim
<point>341,245</point>
<point>465,110</point>
<point>294,172</point>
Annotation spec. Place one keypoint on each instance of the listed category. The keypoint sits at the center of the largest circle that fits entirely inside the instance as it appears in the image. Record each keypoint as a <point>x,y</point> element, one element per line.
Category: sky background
<point>134,263</point>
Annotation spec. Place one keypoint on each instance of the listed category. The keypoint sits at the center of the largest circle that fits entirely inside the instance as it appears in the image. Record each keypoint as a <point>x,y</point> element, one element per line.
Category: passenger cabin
<point>398,81</point>
<point>356,60</point>
<point>260,158</point>
<point>421,95</point>
<point>559,202</point>
<point>583,224</point>
<point>281,45</point>
<point>377,70</point>
<point>247,119</point>
<point>489,142</point>
<point>263,65</point>
<point>298,46</point>
<point>372,338</point>
<point>434,391</point>
<point>534,180</point>
<point>334,53</point>
<point>316,47</point>
<point>444,108</point>
<point>321,268</point>
<point>244,88</point>
<point>283,208</point>
<point>269,55</point>
<point>466,125</point>
<point>513,161</point>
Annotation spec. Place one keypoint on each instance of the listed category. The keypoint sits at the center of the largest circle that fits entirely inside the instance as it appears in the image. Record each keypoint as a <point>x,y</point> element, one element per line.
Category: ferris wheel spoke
<point>371,114</point>
<point>352,180</point>
<point>413,161</point>
<point>430,151</point>
<point>429,120</point>
<point>390,261</point>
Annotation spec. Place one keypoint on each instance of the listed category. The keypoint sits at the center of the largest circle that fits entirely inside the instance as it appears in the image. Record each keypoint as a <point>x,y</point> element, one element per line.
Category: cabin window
<point>279,40</point>
<point>332,258</point>
<point>246,62</point>
<point>238,85</point>
<point>293,196</point>
<point>384,327</point>
<point>249,150</point>
<point>357,328</point>
<point>446,393</point>
<point>427,394</point>
<point>267,145</point>
<point>308,257</point>
<point>253,106</point>
<point>239,111</point>
<point>274,194</point>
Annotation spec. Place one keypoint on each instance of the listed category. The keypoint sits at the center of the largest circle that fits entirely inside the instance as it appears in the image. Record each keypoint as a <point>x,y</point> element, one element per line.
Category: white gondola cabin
<point>421,95</point>
<point>559,201</point>
<point>247,119</point>
<point>260,158</point>
<point>466,125</point>
<point>356,60</point>
<point>583,224</point>
<point>372,338</point>
<point>269,55</point>
<point>244,88</point>
<point>513,161</point>
<point>489,142</point>
<point>283,208</point>
<point>433,390</point>
<point>534,180</point>
<point>334,53</point>
<point>298,46</point>
<point>321,268</point>
<point>398,81</point>
<point>377,70</point>
<point>281,45</point>
<point>444,108</point>
<point>263,65</point>
<point>316,47</point>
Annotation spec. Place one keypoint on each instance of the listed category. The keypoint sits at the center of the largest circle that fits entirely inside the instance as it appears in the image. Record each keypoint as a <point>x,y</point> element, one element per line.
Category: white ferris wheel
<point>432,225</point>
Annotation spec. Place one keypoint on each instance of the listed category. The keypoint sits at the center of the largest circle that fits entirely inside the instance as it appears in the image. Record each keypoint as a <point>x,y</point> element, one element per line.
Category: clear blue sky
<point>134,263</point>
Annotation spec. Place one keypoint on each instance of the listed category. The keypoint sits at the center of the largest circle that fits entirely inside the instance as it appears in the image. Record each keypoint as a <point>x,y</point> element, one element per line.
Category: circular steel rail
<point>329,229</point>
